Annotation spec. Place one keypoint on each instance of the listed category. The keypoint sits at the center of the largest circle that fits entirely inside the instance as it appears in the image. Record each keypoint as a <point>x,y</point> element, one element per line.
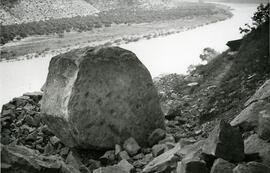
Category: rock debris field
<point>99,112</point>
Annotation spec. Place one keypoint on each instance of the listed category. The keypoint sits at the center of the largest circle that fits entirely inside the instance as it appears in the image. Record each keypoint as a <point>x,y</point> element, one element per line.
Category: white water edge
<point>163,55</point>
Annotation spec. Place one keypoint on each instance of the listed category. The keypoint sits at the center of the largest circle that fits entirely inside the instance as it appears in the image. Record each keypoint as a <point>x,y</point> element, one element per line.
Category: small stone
<point>131,146</point>
<point>84,169</point>
<point>163,161</point>
<point>110,169</point>
<point>158,149</point>
<point>54,140</point>
<point>8,113</point>
<point>168,138</point>
<point>48,149</point>
<point>74,160</point>
<point>107,158</point>
<point>93,164</point>
<point>32,136</point>
<point>146,150</point>
<point>192,84</point>
<point>123,155</point>
<point>193,165</point>
<point>138,156</point>
<point>264,123</point>
<point>222,166</point>
<point>29,120</point>
<point>117,149</point>
<point>125,165</point>
<point>36,96</point>
<point>225,142</point>
<point>20,101</point>
<point>156,136</point>
<point>64,151</point>
<point>46,130</point>
<point>141,163</point>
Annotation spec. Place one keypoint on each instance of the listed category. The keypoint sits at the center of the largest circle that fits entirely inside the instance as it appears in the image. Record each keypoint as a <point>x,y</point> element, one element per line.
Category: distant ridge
<point>22,11</point>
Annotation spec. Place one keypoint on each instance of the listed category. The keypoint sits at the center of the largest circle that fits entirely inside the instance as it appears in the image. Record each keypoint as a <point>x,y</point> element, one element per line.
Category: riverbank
<point>40,46</point>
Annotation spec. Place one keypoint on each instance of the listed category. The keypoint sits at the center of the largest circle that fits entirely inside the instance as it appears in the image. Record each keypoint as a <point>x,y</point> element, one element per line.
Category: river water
<point>170,54</point>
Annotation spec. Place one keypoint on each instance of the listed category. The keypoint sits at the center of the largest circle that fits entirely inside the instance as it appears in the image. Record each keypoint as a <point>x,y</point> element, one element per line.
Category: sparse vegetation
<point>260,17</point>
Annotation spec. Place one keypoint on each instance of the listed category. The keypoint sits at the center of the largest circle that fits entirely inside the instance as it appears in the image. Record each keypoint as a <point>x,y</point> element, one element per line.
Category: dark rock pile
<point>226,149</point>
<point>21,124</point>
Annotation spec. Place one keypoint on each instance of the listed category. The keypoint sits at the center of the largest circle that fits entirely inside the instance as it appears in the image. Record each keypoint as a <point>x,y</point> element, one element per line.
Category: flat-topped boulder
<point>95,98</point>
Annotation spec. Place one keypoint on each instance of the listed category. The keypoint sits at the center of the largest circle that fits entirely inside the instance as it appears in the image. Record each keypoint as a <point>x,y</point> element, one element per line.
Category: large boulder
<point>95,98</point>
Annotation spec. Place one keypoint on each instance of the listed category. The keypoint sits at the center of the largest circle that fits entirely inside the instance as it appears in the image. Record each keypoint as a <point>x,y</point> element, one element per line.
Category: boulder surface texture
<point>95,98</point>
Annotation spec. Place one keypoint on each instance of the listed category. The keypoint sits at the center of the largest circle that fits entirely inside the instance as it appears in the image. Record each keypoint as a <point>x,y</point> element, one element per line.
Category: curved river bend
<point>170,54</point>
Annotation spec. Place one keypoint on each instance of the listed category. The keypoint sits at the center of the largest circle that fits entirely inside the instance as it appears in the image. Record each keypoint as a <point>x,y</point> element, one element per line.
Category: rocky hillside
<point>22,11</point>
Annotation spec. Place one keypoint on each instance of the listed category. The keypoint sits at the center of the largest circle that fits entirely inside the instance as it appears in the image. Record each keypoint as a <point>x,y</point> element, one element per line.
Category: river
<point>170,54</point>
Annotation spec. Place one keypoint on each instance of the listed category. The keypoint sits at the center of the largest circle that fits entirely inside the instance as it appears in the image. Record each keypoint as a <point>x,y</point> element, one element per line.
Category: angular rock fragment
<point>109,169</point>
<point>254,144</point>
<point>225,142</point>
<point>98,97</point>
<point>117,149</point>
<point>74,160</point>
<point>123,155</point>
<point>131,146</point>
<point>125,165</point>
<point>158,149</point>
<point>108,157</point>
<point>14,158</point>
<point>262,93</point>
<point>93,164</point>
<point>264,123</point>
<point>36,96</point>
<point>251,167</point>
<point>156,136</point>
<point>167,159</point>
<point>222,166</point>
<point>193,165</point>
<point>247,119</point>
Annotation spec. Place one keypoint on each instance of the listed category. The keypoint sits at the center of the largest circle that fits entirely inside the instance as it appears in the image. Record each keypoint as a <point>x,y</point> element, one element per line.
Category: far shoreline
<point>116,35</point>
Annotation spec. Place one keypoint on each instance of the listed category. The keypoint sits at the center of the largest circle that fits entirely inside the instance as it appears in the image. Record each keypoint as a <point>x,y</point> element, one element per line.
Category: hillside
<point>219,89</point>
<point>35,10</point>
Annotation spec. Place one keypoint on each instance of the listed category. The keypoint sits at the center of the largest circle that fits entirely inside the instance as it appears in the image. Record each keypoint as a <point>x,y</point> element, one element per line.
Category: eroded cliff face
<point>98,97</point>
